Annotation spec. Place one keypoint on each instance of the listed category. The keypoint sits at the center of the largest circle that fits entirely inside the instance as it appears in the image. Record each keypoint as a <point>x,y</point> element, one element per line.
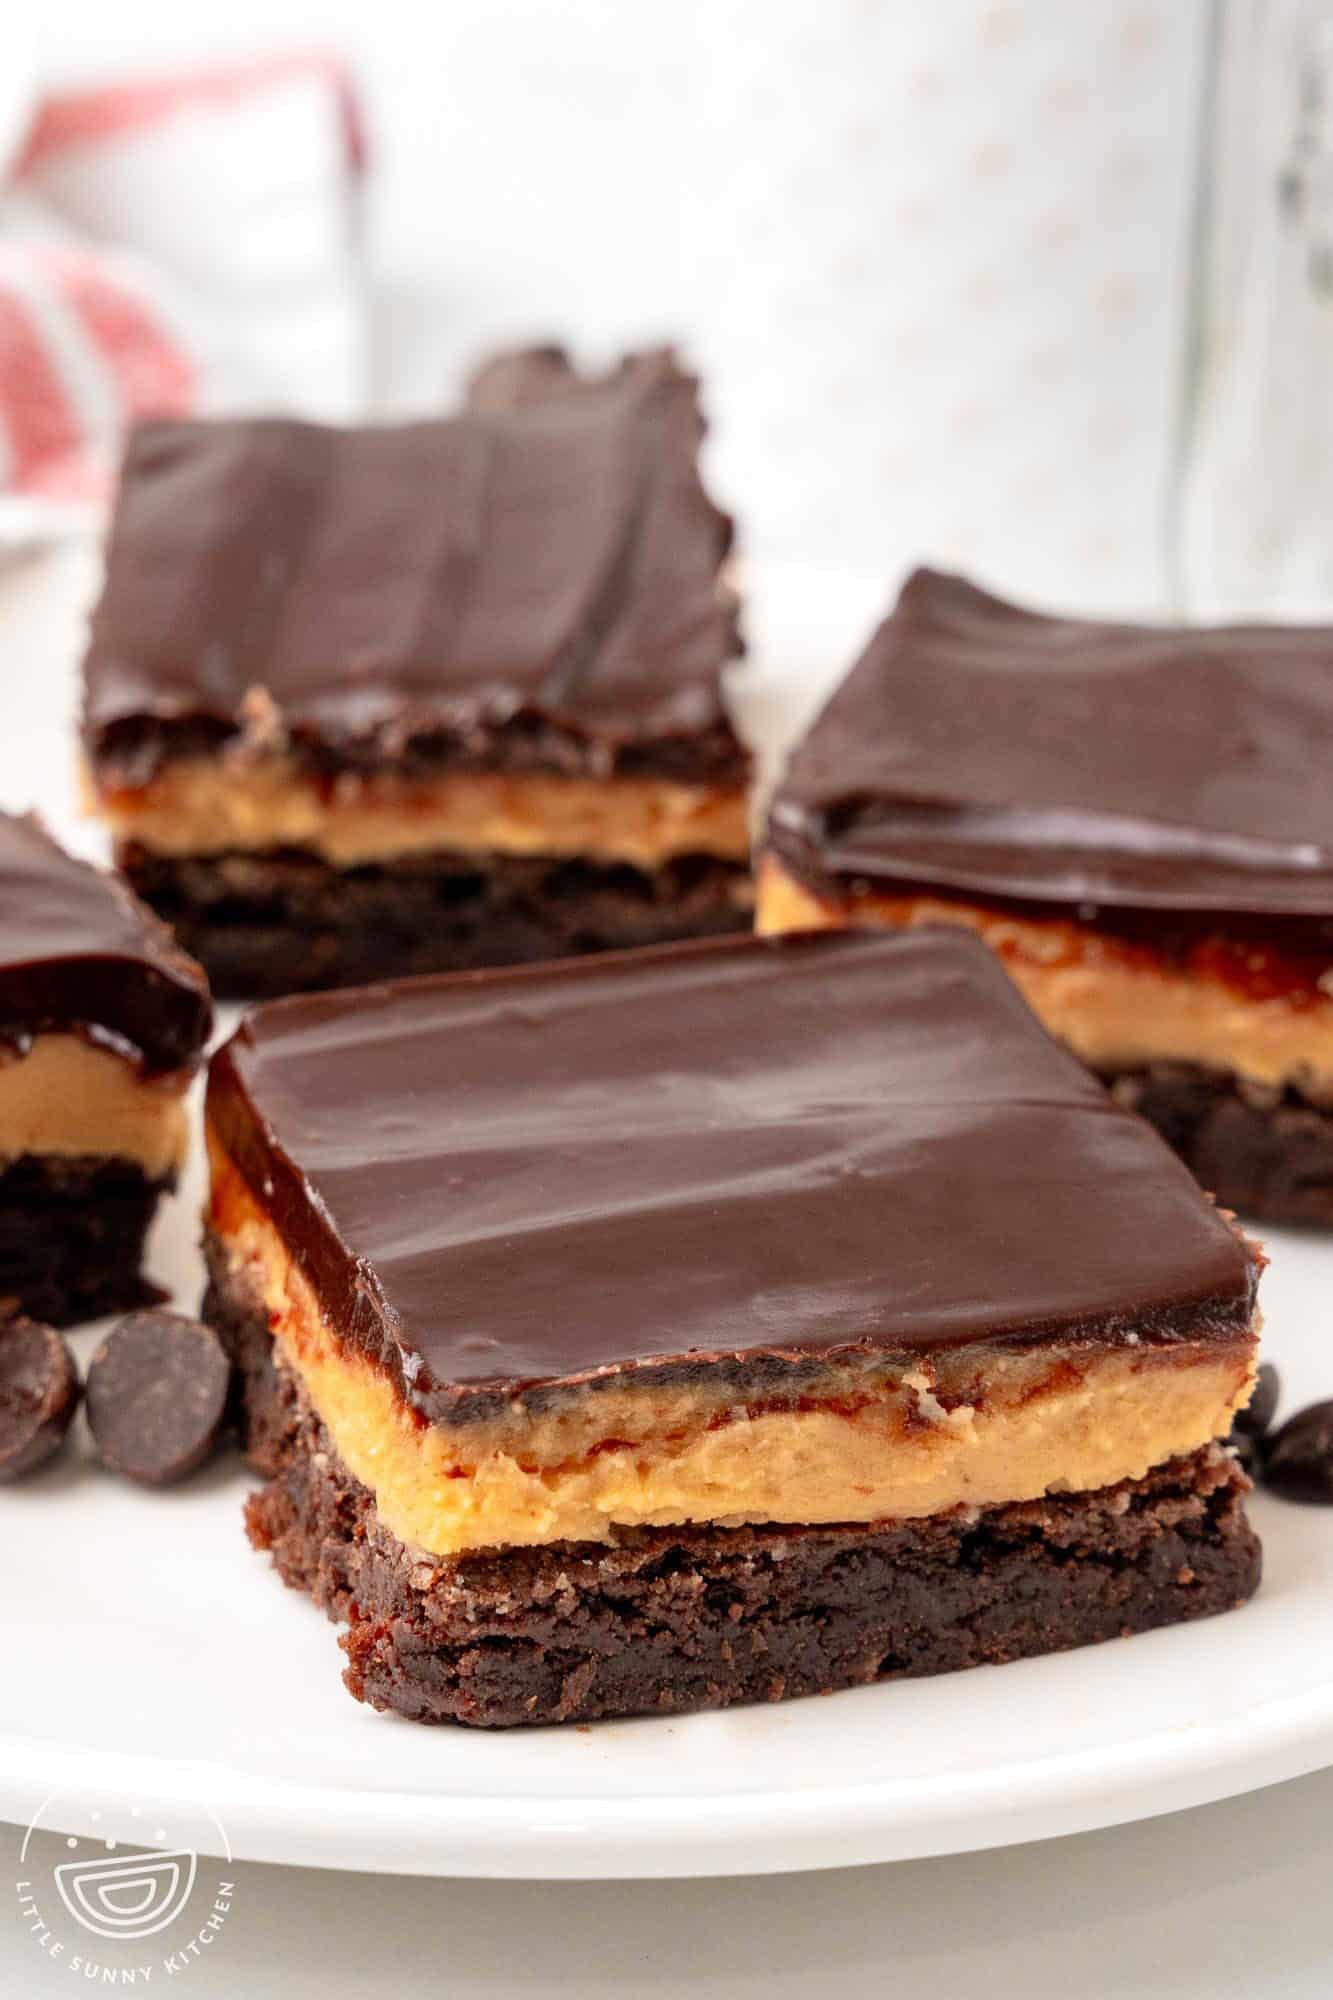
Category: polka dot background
<point>949,272</point>
<point>932,254</point>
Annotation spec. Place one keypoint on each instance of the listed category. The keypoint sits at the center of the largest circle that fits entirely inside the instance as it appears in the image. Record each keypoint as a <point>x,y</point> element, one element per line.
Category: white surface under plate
<point>151,1658</point>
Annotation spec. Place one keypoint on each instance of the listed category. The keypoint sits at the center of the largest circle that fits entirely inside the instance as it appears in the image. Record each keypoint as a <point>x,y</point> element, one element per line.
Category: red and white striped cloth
<point>188,243</point>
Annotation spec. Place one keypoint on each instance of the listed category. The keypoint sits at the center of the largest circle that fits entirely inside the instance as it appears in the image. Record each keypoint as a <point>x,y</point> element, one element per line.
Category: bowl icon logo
<point>131,1895</point>
<point>140,1885</point>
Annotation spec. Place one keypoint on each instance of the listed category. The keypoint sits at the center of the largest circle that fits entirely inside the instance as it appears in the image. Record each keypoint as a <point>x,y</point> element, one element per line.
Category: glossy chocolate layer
<point>738,1156</point>
<point>981,748</point>
<point>77,950</point>
<point>532,583</point>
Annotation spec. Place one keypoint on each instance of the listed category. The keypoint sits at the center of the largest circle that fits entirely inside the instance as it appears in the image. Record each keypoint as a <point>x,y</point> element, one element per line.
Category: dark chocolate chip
<point>1250,1452</point>
<point>1257,1417</point>
<point>157,1396</point>
<point>39,1393</point>
<point>1298,1460</point>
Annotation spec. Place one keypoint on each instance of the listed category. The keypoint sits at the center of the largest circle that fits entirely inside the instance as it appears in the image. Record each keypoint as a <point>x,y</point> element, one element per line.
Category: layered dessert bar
<point>437,695</point>
<point>102,1025</point>
<point>714,1324</point>
<point>1137,820</point>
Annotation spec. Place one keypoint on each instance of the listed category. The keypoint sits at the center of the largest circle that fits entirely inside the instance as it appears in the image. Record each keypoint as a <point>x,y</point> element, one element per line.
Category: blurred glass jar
<point>1253,519</point>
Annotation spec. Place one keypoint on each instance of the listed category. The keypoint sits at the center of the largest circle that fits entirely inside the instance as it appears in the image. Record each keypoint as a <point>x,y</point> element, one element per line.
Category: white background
<point>932,253</point>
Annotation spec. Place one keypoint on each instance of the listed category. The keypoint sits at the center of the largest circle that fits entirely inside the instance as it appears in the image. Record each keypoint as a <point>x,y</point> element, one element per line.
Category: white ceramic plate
<point>150,1658</point>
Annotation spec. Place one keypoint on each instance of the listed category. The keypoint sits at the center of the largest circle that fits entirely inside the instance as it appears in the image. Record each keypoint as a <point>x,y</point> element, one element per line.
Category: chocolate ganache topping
<point>78,951</point>
<point>532,583</point>
<point>745,1156</point>
<point>984,750</point>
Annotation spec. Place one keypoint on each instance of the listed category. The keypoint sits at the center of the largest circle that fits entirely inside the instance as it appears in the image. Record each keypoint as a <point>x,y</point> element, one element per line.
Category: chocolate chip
<point>1250,1452</point>
<point>1257,1416</point>
<point>39,1393</point>
<point>157,1396</point>
<point>1298,1460</point>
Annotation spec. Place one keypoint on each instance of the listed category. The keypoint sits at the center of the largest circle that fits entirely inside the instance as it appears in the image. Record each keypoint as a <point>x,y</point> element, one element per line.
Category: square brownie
<point>717,1323</point>
<point>1137,820</point>
<point>426,696</point>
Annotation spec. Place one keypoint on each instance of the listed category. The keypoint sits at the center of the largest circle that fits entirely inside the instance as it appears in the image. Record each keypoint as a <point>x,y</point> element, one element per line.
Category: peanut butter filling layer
<point>66,1098</point>
<point>906,1437</point>
<point>1111,1008</point>
<point>203,806</point>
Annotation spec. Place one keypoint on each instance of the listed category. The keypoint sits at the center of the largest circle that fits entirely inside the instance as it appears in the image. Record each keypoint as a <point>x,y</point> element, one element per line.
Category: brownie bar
<point>1135,818</point>
<point>103,1021</point>
<point>709,1324</point>
<point>272,923</point>
<point>670,1620</point>
<point>1263,1152</point>
<point>557,607</point>
<point>72,1234</point>
<point>360,738</point>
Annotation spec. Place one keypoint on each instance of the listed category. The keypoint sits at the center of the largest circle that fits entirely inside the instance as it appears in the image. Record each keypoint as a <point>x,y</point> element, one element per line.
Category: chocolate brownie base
<point>72,1235</point>
<point>667,1620</point>
<point>1265,1153</point>
<point>287,922</point>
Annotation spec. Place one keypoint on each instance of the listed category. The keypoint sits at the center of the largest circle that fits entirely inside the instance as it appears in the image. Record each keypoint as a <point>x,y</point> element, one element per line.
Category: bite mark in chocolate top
<point>981,748</point>
<point>532,583</point>
<point>78,951</point>
<point>737,1158</point>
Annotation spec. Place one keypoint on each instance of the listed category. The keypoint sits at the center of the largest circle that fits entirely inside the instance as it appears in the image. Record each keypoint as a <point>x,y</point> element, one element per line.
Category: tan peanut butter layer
<point>975,1425</point>
<point>67,1098</point>
<point>212,805</point>
<point>1110,1005</point>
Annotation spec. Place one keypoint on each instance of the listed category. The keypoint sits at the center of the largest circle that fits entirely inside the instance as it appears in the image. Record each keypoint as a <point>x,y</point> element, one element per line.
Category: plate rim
<point>681,1835</point>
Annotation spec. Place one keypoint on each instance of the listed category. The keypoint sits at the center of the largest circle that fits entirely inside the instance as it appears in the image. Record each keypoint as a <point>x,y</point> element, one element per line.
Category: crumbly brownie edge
<point>1264,1153</point>
<point>669,1620</point>
<point>72,1235</point>
<point>287,922</point>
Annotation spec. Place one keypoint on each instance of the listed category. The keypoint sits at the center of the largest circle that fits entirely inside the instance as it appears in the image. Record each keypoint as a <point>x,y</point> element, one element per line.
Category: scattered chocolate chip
<point>1298,1459</point>
<point>1250,1452</point>
<point>157,1396</point>
<point>1256,1419</point>
<point>39,1393</point>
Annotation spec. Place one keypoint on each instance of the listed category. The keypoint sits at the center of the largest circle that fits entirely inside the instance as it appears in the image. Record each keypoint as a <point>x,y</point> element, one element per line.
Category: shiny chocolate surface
<point>743,1156</point>
<point>532,583</point>
<point>981,749</point>
<point>78,951</point>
